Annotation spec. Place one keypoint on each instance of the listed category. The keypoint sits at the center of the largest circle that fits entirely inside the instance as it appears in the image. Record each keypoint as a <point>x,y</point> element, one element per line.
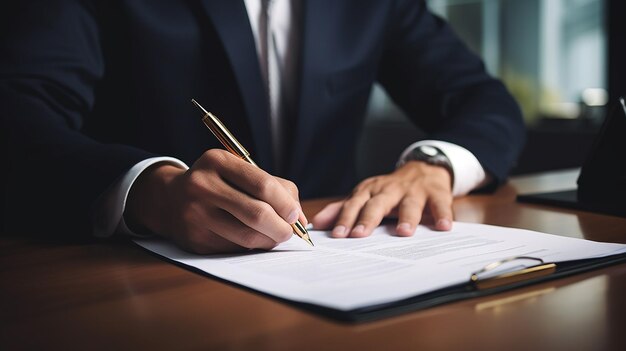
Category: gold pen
<point>231,144</point>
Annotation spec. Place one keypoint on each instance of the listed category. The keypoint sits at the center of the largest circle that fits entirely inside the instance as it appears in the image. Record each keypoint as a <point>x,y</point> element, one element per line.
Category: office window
<point>550,53</point>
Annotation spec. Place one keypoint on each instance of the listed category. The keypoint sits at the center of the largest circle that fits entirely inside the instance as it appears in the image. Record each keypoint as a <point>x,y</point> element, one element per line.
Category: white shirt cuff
<point>468,172</point>
<point>108,213</point>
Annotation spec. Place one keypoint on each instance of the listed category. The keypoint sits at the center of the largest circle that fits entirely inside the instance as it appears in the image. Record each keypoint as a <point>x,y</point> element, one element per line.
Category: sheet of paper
<point>349,273</point>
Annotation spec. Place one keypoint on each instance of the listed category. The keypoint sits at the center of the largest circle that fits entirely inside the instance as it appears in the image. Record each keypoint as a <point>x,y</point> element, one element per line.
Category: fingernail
<point>293,216</point>
<point>444,224</point>
<point>404,227</point>
<point>339,231</point>
<point>358,230</point>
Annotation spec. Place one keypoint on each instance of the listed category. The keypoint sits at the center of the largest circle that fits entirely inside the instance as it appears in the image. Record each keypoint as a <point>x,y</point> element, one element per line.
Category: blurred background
<point>557,57</point>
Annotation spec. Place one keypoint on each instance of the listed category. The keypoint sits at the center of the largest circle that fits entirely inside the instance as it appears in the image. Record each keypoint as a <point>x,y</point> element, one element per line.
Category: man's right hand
<point>221,204</point>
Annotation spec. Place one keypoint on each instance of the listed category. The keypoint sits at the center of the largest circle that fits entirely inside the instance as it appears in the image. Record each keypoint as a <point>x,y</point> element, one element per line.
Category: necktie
<point>273,83</point>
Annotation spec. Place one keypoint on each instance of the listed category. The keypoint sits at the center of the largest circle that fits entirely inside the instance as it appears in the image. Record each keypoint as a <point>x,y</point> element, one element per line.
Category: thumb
<point>326,218</point>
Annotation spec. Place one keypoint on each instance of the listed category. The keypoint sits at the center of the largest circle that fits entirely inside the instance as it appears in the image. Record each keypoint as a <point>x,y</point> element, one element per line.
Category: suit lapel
<point>312,88</point>
<point>233,27</point>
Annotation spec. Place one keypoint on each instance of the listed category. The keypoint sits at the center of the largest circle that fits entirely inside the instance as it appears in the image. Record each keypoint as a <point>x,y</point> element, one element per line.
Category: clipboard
<point>476,286</point>
<point>479,284</point>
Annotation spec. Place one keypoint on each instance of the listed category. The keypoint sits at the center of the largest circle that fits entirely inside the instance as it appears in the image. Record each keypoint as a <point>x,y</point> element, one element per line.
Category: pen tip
<point>307,238</point>
<point>199,106</point>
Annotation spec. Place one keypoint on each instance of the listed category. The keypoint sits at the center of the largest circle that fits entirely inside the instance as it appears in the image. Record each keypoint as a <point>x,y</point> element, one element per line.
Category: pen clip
<point>502,279</point>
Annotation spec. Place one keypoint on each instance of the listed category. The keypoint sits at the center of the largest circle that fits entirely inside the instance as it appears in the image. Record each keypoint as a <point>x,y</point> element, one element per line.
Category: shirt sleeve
<point>468,172</point>
<point>108,212</point>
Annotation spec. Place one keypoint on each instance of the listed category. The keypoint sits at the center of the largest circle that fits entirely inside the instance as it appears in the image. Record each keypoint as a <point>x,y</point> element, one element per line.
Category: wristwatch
<point>429,154</point>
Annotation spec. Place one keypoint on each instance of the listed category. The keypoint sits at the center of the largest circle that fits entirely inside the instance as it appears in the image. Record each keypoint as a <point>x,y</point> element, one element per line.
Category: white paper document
<point>346,274</point>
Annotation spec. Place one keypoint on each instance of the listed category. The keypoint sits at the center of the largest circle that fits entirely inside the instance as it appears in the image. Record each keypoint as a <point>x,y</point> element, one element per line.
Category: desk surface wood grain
<point>114,295</point>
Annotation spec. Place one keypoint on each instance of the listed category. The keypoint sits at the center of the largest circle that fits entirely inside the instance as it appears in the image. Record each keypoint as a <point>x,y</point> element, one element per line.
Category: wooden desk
<point>114,295</point>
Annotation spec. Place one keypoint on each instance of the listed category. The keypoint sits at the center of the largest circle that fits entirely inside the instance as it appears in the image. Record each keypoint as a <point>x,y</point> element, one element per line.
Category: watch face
<point>429,154</point>
<point>429,150</point>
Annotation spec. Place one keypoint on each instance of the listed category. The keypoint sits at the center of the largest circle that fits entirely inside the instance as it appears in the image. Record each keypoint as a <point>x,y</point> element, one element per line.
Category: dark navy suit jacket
<point>89,88</point>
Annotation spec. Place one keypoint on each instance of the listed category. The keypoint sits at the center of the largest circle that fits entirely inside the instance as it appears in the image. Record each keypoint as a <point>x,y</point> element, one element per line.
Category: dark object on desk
<point>602,180</point>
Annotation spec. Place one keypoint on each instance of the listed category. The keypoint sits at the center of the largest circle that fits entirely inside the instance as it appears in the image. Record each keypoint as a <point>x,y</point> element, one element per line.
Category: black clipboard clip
<point>539,270</point>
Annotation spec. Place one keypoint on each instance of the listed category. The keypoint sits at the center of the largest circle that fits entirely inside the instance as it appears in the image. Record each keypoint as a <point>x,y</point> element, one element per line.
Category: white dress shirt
<point>278,65</point>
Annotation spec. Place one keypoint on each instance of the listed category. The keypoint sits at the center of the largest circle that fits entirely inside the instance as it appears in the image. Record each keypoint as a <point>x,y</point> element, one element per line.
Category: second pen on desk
<point>233,146</point>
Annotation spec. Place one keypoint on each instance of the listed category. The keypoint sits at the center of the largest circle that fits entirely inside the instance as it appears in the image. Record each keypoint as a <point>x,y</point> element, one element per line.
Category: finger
<point>263,186</point>
<point>290,186</point>
<point>231,229</point>
<point>293,190</point>
<point>195,236</point>
<point>261,217</point>
<point>349,212</point>
<point>251,180</point>
<point>410,213</point>
<point>303,218</point>
<point>327,216</point>
<point>440,204</point>
<point>213,230</point>
<point>373,213</point>
<point>252,212</point>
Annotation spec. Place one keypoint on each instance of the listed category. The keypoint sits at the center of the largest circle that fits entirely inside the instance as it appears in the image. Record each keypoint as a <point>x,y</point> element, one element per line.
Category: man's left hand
<point>408,192</point>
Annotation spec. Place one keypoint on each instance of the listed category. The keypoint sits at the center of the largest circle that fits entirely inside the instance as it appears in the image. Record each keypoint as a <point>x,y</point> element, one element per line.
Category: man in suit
<point>100,132</point>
